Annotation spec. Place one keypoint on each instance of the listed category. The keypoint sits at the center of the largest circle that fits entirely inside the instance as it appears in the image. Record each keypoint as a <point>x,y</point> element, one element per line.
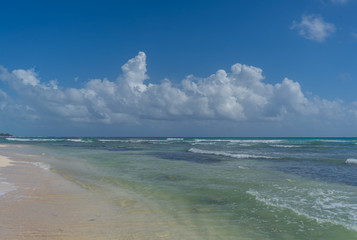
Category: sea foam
<point>6,187</point>
<point>240,141</point>
<point>226,154</point>
<point>323,206</point>
<point>48,140</point>
<point>34,139</point>
<point>351,161</point>
<point>78,140</point>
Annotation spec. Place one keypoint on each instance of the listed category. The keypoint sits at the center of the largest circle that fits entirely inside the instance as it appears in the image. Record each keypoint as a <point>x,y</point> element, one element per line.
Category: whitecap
<point>246,145</point>
<point>78,140</point>
<point>149,141</point>
<point>34,139</point>
<point>226,154</point>
<point>332,140</point>
<point>241,167</point>
<point>203,143</point>
<point>110,140</point>
<point>284,146</point>
<point>251,142</point>
<point>46,139</point>
<point>351,161</point>
<point>323,206</point>
<point>19,139</point>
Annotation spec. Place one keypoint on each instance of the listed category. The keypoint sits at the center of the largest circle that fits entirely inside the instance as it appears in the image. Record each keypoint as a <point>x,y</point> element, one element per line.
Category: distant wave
<point>78,140</point>
<point>149,141</point>
<point>153,141</point>
<point>34,139</point>
<point>226,154</point>
<point>48,140</point>
<point>351,161</point>
<point>240,140</point>
<point>110,140</point>
<point>285,146</point>
<point>333,140</point>
<point>203,143</point>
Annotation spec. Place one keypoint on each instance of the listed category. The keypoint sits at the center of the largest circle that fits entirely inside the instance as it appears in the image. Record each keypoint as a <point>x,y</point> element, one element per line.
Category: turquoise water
<point>219,188</point>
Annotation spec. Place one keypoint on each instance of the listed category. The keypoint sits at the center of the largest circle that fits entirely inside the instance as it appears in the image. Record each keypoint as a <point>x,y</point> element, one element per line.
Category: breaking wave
<point>321,205</point>
<point>227,154</point>
<point>351,161</point>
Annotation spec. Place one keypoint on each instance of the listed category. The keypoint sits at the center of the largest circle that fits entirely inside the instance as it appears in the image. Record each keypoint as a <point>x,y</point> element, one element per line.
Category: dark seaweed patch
<point>332,172</point>
<point>187,156</point>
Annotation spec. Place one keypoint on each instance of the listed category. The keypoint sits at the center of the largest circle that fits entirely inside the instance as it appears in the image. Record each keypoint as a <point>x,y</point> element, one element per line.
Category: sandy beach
<point>44,205</point>
<point>41,204</point>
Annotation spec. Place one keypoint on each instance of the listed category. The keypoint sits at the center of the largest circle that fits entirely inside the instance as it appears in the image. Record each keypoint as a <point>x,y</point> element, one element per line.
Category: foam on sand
<point>5,161</point>
<point>5,186</point>
<point>3,145</point>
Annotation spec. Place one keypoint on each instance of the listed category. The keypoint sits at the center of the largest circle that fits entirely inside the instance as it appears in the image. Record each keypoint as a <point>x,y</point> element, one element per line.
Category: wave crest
<point>351,161</point>
<point>227,154</point>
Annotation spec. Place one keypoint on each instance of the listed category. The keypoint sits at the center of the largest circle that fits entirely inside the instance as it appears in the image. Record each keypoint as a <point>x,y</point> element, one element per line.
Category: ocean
<point>216,188</point>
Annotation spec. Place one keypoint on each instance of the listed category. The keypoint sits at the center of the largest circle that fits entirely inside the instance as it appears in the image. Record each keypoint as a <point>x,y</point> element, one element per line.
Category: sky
<point>243,68</point>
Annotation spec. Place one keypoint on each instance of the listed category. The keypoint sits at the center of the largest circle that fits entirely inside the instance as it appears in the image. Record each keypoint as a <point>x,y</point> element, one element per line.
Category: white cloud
<point>239,95</point>
<point>28,77</point>
<point>313,27</point>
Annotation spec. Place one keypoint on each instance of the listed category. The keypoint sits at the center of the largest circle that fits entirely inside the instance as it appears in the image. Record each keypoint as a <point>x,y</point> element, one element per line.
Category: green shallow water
<point>219,188</point>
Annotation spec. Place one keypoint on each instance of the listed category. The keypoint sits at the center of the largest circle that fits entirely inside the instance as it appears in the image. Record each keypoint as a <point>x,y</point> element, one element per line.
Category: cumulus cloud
<point>313,27</point>
<point>28,77</point>
<point>238,95</point>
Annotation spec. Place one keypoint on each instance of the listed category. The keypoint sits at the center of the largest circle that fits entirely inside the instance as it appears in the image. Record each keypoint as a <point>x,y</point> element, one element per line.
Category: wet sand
<point>47,206</point>
<point>41,204</point>
<point>44,205</point>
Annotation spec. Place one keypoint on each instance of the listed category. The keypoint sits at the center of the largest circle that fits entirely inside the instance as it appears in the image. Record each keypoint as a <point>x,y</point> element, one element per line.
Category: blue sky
<point>62,69</point>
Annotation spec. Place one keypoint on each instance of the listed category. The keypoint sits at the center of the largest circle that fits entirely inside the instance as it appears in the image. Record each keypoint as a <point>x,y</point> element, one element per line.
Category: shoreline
<point>51,206</point>
<point>5,186</point>
<point>144,190</point>
<point>44,205</point>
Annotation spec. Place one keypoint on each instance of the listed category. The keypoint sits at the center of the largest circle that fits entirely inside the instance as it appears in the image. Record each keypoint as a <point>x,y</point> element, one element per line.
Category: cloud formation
<point>313,27</point>
<point>238,95</point>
